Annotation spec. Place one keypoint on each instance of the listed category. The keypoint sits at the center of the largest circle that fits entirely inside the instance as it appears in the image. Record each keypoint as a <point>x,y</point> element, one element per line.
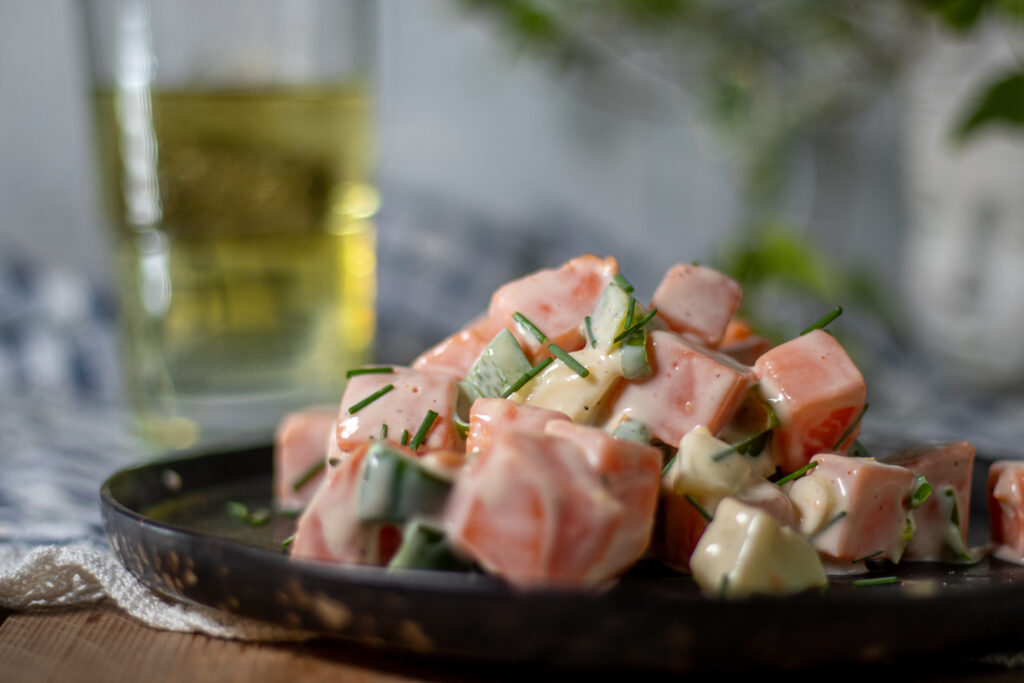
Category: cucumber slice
<point>396,488</point>
<point>634,356</point>
<point>609,316</point>
<point>633,430</point>
<point>425,546</point>
<point>500,364</point>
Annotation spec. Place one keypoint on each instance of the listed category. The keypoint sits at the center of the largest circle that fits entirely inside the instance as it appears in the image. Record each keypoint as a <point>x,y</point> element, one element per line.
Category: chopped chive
<point>827,526</point>
<point>370,399</point>
<point>824,320</point>
<point>668,465</point>
<point>574,364</point>
<point>405,437</point>
<point>867,557</point>
<point>623,283</point>
<point>287,542</point>
<point>308,475</point>
<point>333,462</point>
<point>922,489</point>
<point>879,581</point>
<point>526,377</point>
<point>238,510</point>
<point>698,507</point>
<point>796,474</point>
<point>421,433</point>
<point>738,446</point>
<point>630,310</point>
<point>633,328</point>
<point>384,431</point>
<point>849,429</point>
<point>590,332</point>
<point>259,516</point>
<point>696,262</point>
<point>529,327</point>
<point>290,513</point>
<point>369,371</point>
<point>858,450</point>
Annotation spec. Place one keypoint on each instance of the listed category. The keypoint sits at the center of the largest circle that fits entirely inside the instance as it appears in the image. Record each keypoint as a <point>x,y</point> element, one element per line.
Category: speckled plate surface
<point>169,524</point>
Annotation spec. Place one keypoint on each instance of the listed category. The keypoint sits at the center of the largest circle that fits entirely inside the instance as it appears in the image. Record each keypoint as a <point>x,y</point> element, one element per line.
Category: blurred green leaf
<point>1001,102</point>
<point>961,15</point>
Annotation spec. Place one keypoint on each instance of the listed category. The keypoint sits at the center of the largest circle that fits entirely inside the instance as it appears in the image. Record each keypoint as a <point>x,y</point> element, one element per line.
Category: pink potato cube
<point>688,387</point>
<point>555,300</point>
<point>818,395</point>
<point>531,510</point>
<point>457,354</point>
<point>948,468</point>
<point>301,444</point>
<point>330,529</point>
<point>632,473</point>
<point>1006,509</point>
<point>488,415</point>
<point>854,508</point>
<point>403,407</point>
<point>697,303</point>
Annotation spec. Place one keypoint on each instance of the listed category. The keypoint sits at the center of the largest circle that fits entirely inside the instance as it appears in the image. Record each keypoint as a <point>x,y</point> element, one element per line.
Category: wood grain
<point>101,644</point>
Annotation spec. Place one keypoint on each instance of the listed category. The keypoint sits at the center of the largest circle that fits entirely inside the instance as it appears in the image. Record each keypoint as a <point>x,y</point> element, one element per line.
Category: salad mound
<point>573,429</point>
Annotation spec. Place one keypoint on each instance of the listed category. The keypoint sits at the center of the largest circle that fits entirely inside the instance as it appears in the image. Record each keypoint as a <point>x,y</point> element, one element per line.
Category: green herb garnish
<point>867,557</point>
<point>796,474</point>
<point>741,446</point>
<point>370,399</point>
<point>827,526</point>
<point>849,429</point>
<point>384,431</point>
<point>287,542</point>
<point>240,512</point>
<point>421,433</point>
<point>308,475</point>
<point>824,320</point>
<point>590,332</point>
<point>534,371</point>
<point>698,507</point>
<point>573,364</point>
<point>405,437</point>
<point>237,510</point>
<point>879,581</point>
<point>370,371</point>
<point>623,283</point>
<point>633,328</point>
<point>922,489</point>
<point>529,327</point>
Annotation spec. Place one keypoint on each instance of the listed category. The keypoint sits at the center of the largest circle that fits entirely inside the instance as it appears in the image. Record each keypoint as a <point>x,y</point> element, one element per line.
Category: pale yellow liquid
<point>245,250</point>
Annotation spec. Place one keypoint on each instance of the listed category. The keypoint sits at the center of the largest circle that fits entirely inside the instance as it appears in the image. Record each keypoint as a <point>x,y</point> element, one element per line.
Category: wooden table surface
<point>102,644</point>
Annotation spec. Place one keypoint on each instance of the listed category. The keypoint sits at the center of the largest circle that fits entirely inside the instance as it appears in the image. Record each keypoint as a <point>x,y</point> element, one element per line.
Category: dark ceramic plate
<point>169,524</point>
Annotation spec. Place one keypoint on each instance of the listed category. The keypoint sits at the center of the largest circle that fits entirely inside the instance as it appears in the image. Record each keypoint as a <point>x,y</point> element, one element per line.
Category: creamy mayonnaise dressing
<point>745,550</point>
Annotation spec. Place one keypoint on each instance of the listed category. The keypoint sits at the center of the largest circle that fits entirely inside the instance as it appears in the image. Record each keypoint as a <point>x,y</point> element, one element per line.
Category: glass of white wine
<point>235,162</point>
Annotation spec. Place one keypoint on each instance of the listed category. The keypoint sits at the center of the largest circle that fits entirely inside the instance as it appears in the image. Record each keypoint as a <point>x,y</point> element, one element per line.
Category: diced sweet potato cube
<point>489,415</point>
<point>688,387</point>
<point>301,443</point>
<point>530,509</point>
<point>631,472</point>
<point>403,407</point>
<point>948,468</point>
<point>817,393</point>
<point>330,529</point>
<point>854,508</point>
<point>555,300</point>
<point>456,354</point>
<point>1006,509</point>
<point>697,302</point>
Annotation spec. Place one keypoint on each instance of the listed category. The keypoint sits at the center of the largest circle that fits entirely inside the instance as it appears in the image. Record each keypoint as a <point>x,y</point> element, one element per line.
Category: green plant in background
<point>765,76</point>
